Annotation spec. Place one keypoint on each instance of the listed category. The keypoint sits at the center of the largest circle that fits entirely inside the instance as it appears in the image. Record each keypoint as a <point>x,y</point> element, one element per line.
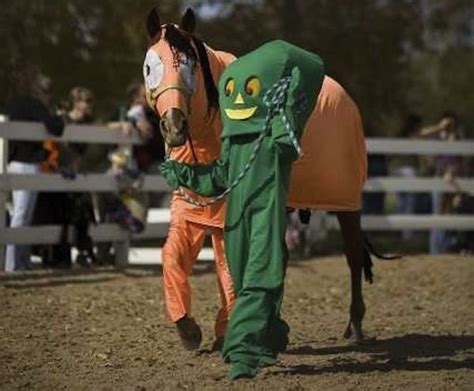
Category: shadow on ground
<point>411,352</point>
<point>43,278</point>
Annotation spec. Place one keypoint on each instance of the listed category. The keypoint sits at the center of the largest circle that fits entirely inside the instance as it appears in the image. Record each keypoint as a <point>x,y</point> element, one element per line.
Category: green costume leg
<point>256,333</point>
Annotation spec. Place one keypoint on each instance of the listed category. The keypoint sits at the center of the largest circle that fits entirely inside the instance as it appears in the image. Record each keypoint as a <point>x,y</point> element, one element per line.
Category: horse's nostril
<point>164,126</point>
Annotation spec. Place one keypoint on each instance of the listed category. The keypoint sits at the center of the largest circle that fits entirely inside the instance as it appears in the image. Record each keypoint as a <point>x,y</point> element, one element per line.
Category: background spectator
<point>407,167</point>
<point>29,98</point>
<point>129,208</point>
<point>137,114</point>
<point>448,167</point>
<point>64,208</point>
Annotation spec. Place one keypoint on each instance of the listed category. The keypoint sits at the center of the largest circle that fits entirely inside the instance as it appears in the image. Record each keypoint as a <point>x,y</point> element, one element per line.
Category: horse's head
<point>170,74</point>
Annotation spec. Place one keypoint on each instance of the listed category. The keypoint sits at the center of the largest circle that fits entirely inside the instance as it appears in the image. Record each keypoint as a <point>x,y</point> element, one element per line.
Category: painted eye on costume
<point>229,87</point>
<point>253,86</point>
<point>153,69</point>
<point>186,70</point>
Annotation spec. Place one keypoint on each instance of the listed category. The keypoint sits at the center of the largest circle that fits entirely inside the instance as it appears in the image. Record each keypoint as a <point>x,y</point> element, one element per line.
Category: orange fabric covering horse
<point>323,179</point>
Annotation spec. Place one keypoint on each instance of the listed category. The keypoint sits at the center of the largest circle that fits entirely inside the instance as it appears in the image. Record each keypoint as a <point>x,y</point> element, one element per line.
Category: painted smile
<point>240,113</point>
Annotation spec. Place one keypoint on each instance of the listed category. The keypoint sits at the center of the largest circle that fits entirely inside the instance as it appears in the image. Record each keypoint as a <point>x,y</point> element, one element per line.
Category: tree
<point>97,44</point>
<point>392,56</point>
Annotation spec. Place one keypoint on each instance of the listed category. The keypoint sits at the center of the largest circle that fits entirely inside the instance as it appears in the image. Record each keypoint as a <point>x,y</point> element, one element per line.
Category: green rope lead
<point>274,99</point>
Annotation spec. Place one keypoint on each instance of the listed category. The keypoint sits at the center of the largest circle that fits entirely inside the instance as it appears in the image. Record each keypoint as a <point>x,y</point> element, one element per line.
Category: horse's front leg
<point>354,251</point>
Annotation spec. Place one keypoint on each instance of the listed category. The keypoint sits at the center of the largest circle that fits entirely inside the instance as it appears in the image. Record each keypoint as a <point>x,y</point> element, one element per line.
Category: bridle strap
<point>173,86</point>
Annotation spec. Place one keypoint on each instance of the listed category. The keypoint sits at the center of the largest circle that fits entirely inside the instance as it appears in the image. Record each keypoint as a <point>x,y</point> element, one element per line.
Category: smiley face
<point>242,97</point>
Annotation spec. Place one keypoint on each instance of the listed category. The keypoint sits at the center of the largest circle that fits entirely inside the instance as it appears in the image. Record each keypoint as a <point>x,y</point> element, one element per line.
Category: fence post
<point>121,252</point>
<point>3,199</point>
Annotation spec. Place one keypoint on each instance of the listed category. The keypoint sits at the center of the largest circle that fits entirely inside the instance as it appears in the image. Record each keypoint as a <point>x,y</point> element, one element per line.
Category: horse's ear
<point>153,25</point>
<point>188,23</point>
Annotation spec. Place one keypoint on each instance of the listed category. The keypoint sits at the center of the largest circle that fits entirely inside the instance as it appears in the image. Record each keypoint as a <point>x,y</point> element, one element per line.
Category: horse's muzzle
<point>174,127</point>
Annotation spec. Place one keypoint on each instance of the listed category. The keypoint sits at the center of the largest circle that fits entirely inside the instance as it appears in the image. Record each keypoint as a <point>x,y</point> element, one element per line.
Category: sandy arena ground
<point>106,330</point>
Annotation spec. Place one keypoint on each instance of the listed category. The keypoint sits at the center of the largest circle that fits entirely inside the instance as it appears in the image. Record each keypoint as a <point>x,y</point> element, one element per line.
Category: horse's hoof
<point>189,333</point>
<point>356,335</point>
<point>348,333</point>
<point>217,344</point>
<point>362,341</point>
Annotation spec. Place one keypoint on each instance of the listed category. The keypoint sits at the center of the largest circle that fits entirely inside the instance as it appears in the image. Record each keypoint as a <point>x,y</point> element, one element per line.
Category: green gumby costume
<point>265,98</point>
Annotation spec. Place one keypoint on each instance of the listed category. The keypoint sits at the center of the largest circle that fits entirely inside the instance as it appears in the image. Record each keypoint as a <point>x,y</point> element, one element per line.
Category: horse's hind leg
<point>354,250</point>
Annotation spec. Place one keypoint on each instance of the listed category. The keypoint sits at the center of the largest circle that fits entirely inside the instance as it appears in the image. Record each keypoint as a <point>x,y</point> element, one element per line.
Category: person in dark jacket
<point>68,209</point>
<point>29,97</point>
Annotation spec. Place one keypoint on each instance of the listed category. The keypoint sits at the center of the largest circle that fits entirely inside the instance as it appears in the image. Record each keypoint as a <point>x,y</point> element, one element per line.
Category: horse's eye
<point>153,69</point>
<point>253,86</point>
<point>186,69</point>
<point>229,87</point>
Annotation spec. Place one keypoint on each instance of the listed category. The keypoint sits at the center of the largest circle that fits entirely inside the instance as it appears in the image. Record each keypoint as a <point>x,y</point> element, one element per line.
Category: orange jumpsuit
<point>189,223</point>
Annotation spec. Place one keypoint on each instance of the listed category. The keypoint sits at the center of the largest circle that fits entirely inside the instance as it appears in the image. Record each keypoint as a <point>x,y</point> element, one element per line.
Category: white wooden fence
<point>158,219</point>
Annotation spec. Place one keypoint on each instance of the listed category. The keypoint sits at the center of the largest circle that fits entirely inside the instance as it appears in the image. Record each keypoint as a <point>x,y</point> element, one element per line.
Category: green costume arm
<point>205,180</point>
<point>296,120</point>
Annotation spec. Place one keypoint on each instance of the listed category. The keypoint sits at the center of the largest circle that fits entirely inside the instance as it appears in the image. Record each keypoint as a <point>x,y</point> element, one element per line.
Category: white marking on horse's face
<point>153,70</point>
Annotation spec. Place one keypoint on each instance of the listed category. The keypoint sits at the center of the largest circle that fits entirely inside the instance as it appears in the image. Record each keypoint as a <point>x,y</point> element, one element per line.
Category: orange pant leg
<point>224,281</point>
<point>185,240</point>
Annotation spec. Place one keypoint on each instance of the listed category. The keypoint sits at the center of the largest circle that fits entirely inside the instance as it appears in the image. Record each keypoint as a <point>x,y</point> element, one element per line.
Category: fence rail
<point>155,183</point>
<point>28,131</point>
<point>158,219</point>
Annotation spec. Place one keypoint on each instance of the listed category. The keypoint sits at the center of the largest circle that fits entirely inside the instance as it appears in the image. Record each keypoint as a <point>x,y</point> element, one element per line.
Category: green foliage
<point>96,44</point>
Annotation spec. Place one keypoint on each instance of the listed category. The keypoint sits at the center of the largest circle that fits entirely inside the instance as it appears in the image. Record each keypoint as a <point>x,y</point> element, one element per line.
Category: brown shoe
<point>189,333</point>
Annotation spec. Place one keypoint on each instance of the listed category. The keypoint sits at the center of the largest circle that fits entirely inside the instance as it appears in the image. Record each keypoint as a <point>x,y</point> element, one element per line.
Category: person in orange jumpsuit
<point>180,77</point>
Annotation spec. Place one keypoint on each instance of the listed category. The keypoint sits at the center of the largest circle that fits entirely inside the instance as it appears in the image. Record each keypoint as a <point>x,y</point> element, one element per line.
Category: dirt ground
<point>106,330</point>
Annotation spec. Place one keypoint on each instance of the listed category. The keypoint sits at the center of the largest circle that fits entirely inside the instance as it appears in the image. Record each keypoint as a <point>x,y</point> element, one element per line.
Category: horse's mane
<point>181,43</point>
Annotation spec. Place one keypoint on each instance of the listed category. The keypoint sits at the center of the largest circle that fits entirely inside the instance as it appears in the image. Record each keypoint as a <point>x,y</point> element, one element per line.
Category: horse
<point>180,78</point>
<point>331,174</point>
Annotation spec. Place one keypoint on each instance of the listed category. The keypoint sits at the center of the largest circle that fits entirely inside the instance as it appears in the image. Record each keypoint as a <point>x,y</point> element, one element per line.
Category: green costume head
<point>244,83</point>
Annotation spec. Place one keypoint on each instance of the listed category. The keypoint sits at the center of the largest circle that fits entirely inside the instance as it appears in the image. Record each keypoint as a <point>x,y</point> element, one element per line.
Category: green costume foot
<point>267,361</point>
<point>240,371</point>
<point>189,333</point>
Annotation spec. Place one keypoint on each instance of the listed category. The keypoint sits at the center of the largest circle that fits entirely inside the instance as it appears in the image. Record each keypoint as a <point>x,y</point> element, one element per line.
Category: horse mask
<point>170,75</point>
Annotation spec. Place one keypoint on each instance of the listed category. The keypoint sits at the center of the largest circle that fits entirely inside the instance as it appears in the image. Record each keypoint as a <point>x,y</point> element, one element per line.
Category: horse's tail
<point>368,264</point>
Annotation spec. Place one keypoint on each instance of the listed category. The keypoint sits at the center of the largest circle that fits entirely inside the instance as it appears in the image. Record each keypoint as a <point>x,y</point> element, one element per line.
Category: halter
<point>274,99</point>
<point>157,92</point>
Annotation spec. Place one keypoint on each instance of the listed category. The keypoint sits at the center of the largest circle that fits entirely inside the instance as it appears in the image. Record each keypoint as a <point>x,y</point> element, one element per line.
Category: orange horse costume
<point>178,82</point>
<point>322,179</point>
